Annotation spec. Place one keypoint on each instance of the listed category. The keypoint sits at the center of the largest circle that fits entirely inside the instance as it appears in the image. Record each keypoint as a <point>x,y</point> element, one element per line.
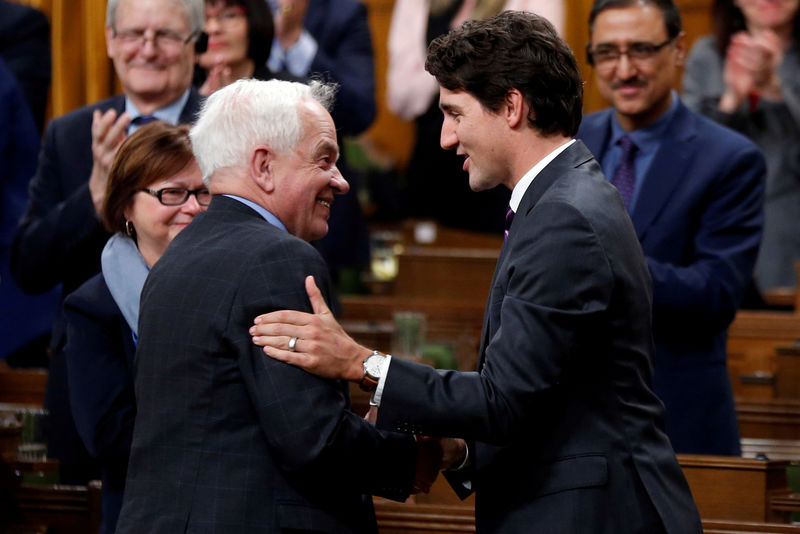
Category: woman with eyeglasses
<point>154,191</point>
<point>747,76</point>
<point>240,36</point>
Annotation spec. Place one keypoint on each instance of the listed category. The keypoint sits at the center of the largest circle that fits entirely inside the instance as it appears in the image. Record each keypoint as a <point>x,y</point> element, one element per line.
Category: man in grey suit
<point>563,432</point>
<point>227,439</point>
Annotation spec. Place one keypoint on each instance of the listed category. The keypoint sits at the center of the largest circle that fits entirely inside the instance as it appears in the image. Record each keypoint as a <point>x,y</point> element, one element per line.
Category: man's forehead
<point>133,11</point>
<point>636,23</point>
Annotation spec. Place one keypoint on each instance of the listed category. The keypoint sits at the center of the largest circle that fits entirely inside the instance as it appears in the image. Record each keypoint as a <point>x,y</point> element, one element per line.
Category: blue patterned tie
<point>625,174</point>
<point>509,220</point>
<point>141,120</point>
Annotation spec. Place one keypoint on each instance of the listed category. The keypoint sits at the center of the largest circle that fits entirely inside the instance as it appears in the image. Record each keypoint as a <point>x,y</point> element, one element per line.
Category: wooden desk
<point>752,360</point>
<point>734,488</point>
<point>769,418</point>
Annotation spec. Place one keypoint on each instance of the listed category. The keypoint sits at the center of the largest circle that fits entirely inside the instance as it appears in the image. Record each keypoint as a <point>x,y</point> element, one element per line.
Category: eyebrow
<point>448,107</point>
<point>327,147</point>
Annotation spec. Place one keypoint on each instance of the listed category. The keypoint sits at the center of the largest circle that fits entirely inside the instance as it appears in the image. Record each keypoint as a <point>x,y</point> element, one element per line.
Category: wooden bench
<point>753,338</point>
<point>719,526</point>
<point>769,418</point>
<point>22,386</point>
<point>740,489</point>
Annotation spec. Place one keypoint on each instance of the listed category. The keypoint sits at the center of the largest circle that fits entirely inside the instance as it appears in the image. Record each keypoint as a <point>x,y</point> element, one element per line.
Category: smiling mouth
<point>324,203</point>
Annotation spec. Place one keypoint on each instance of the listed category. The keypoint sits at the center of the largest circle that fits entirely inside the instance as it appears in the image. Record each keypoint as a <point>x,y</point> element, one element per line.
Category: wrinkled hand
<point>289,21</point>
<point>323,347</point>
<point>429,461</point>
<point>219,75</point>
<point>108,133</point>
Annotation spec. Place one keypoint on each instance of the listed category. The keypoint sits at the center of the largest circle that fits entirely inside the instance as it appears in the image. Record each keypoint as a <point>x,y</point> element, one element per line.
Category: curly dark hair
<point>513,50</point>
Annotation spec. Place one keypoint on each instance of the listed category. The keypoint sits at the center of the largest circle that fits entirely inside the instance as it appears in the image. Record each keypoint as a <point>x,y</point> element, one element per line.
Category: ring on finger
<point>293,344</point>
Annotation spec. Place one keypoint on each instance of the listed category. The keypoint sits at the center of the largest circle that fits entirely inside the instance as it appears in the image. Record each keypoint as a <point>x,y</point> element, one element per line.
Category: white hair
<point>195,13</point>
<point>247,113</point>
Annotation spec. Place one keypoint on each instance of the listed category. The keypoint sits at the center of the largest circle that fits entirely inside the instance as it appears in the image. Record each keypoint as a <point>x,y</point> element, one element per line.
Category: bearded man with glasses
<point>61,236</point>
<point>694,191</point>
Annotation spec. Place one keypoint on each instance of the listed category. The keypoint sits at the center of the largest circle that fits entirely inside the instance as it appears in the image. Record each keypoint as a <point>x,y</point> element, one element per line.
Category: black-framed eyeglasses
<point>607,54</point>
<point>175,196</point>
<point>163,38</point>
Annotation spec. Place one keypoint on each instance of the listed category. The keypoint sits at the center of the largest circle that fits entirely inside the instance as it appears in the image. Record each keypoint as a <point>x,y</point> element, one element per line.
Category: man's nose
<point>339,184</point>
<point>625,67</point>
<point>448,138</point>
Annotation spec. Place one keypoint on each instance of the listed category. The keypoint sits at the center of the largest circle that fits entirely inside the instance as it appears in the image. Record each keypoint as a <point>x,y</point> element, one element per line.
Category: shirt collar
<point>527,178</point>
<point>170,113</point>
<point>261,210</point>
<point>648,138</point>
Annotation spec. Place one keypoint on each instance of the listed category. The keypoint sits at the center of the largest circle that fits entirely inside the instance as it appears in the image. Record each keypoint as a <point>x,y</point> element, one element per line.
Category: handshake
<point>433,455</point>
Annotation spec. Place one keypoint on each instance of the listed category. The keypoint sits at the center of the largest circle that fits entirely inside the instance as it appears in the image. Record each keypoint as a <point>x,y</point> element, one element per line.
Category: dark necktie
<point>625,174</point>
<point>141,120</point>
<point>509,220</point>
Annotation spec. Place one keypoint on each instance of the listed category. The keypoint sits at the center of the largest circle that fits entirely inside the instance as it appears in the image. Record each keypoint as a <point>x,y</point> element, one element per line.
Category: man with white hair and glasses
<point>227,439</point>
<point>61,236</point>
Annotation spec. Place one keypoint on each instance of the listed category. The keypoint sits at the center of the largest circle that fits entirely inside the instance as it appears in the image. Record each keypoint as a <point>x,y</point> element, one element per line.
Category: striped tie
<point>509,220</point>
<point>625,174</point>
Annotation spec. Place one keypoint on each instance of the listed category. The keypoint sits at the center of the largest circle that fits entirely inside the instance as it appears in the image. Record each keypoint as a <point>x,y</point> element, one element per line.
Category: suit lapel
<point>668,169</point>
<point>574,156</point>
<point>191,108</point>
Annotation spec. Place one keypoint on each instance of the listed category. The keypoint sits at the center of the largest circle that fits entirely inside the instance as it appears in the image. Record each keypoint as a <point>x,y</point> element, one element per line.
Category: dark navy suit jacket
<point>566,432</point>
<point>99,355</point>
<point>228,440</point>
<point>698,218</point>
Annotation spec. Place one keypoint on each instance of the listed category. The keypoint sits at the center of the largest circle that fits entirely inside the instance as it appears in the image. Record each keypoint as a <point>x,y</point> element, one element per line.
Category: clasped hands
<point>323,348</point>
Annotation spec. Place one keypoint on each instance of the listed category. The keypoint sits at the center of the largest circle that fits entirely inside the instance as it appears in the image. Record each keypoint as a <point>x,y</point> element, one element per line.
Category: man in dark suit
<point>694,192</point>
<point>562,431</point>
<point>227,439</point>
<point>331,39</point>
<point>60,237</point>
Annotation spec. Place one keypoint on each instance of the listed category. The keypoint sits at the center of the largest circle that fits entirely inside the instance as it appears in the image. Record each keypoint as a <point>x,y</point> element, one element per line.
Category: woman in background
<point>240,36</point>
<point>747,76</point>
<point>154,191</point>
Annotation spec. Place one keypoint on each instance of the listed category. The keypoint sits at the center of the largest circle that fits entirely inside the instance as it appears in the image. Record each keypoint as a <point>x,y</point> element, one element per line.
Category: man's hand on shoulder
<point>314,342</point>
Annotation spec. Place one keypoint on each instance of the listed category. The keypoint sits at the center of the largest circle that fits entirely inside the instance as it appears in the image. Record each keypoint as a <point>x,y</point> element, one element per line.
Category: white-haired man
<point>227,439</point>
<point>61,236</point>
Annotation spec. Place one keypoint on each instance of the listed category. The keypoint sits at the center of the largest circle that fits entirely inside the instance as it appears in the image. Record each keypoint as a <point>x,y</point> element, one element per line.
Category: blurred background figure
<point>25,320</point>
<point>747,76</point>
<point>154,191</point>
<point>330,39</point>
<point>151,44</point>
<point>240,34</point>
<point>434,184</point>
<point>25,48</point>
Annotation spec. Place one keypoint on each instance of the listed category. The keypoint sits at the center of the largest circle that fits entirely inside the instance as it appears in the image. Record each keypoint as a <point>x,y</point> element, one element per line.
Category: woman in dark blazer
<point>154,190</point>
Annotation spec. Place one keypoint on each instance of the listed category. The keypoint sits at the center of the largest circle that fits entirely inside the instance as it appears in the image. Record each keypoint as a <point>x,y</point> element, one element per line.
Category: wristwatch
<point>373,367</point>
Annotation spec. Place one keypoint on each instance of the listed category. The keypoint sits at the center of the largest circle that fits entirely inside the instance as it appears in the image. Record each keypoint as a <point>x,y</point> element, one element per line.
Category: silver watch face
<point>373,364</point>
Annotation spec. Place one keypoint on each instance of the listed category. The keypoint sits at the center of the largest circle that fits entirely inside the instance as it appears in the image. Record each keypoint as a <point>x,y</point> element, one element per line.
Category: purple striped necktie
<point>624,177</point>
<point>509,220</point>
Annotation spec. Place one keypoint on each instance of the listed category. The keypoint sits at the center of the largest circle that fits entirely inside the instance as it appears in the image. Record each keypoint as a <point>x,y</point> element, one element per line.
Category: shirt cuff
<point>376,397</point>
<point>299,57</point>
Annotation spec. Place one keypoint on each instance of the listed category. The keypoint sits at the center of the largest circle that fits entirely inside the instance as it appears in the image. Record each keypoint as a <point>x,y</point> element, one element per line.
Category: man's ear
<point>110,43</point>
<point>262,167</point>
<point>680,48</point>
<point>515,108</point>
